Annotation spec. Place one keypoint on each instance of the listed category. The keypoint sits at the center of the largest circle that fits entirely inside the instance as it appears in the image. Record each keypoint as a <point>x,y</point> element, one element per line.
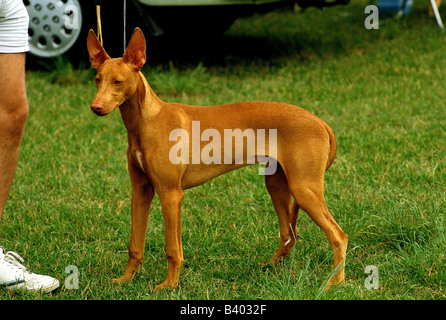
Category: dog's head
<point>116,79</point>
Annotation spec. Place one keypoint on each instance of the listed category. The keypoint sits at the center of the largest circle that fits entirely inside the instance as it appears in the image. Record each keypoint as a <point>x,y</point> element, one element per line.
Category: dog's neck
<point>142,106</point>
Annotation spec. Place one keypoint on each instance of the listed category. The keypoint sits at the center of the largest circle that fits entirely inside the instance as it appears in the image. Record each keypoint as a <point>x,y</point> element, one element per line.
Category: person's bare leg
<point>13,115</point>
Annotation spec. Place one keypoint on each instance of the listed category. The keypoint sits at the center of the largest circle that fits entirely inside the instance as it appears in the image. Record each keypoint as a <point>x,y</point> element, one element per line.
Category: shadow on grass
<point>259,38</point>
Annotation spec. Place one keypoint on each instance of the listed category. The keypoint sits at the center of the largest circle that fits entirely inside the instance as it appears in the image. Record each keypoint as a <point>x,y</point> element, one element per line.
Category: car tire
<point>57,27</point>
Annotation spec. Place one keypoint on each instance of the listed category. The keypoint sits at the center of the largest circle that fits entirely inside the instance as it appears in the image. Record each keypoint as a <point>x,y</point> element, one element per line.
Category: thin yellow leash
<point>98,15</point>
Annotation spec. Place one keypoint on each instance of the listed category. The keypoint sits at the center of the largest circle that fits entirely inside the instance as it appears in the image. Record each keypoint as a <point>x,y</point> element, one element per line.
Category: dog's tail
<point>333,146</point>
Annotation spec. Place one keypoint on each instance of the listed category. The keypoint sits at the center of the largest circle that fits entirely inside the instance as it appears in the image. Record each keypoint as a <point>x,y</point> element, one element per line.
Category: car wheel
<point>54,26</point>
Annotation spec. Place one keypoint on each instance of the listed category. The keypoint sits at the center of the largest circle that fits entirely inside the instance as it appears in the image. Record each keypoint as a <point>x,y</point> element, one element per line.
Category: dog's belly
<point>196,175</point>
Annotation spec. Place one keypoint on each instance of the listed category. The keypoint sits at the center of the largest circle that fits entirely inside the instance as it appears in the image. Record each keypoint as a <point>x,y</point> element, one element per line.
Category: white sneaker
<point>13,275</point>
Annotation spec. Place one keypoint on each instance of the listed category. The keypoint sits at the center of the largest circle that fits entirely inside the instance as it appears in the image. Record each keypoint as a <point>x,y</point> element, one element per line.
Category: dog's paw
<point>166,285</point>
<point>116,281</point>
<point>122,280</point>
<point>268,265</point>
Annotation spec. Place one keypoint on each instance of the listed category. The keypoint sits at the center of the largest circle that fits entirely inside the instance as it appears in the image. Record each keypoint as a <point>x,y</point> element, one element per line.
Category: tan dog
<point>304,147</point>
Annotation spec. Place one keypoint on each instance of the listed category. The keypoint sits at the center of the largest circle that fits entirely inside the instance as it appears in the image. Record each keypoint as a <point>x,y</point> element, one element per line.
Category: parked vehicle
<point>56,25</point>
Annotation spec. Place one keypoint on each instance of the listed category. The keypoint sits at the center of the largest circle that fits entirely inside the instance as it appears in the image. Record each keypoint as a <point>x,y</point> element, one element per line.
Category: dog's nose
<point>96,107</point>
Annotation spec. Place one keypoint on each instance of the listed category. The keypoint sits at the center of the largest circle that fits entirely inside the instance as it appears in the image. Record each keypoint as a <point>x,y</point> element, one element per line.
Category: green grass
<point>382,91</point>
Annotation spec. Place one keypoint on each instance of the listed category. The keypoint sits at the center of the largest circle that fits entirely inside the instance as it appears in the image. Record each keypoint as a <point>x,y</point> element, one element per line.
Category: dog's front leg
<point>171,207</point>
<point>142,196</point>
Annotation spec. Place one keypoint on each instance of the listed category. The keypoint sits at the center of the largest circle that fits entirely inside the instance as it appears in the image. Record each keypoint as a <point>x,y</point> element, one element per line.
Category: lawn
<point>383,93</point>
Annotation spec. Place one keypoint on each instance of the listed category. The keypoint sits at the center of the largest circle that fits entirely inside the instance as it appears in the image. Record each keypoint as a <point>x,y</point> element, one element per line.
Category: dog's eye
<point>117,82</point>
<point>97,80</point>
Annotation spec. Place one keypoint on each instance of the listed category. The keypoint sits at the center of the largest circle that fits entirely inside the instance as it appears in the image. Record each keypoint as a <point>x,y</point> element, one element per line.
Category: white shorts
<point>14,22</point>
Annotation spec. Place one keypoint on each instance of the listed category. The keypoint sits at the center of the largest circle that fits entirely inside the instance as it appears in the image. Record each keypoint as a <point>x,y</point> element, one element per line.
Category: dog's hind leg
<point>309,196</point>
<point>277,186</point>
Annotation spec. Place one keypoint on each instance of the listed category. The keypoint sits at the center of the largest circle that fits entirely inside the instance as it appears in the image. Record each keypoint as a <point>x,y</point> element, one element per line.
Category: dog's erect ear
<point>135,54</point>
<point>96,51</point>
